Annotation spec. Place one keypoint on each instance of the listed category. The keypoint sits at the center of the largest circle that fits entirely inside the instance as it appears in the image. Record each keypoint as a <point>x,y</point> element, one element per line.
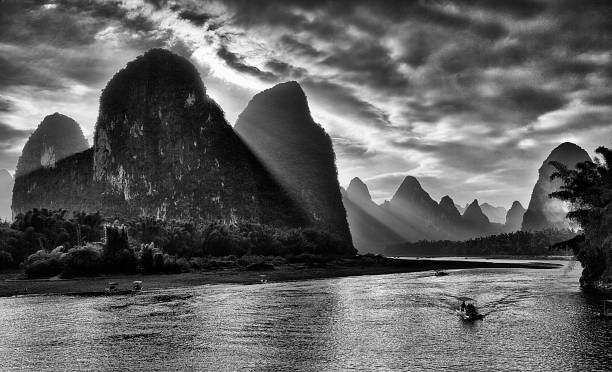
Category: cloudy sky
<point>469,96</point>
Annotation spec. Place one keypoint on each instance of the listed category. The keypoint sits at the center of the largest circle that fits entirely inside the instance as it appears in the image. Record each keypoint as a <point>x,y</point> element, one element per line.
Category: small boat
<point>470,317</point>
<point>112,288</point>
<point>607,310</point>
<point>440,273</point>
<point>137,285</point>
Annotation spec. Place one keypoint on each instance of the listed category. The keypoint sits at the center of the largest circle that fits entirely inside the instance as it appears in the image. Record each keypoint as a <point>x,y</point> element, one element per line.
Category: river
<point>536,320</point>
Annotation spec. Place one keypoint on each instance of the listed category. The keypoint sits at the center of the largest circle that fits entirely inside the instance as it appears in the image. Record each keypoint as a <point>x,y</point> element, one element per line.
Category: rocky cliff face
<point>278,127</point>
<point>514,217</point>
<point>6,191</point>
<point>55,138</point>
<point>68,185</point>
<point>544,212</point>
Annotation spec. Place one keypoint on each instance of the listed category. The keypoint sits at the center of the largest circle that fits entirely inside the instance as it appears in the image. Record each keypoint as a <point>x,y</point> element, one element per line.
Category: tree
<point>588,189</point>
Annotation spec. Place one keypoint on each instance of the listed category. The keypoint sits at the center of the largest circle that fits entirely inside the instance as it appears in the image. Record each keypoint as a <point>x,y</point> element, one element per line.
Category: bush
<point>6,260</point>
<point>42,264</point>
<point>82,261</point>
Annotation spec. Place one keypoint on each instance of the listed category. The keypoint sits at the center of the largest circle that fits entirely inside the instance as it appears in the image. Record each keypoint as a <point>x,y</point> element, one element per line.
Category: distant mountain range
<point>412,215</point>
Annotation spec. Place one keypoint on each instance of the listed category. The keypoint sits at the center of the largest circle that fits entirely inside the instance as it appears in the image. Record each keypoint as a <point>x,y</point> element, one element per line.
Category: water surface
<point>536,320</point>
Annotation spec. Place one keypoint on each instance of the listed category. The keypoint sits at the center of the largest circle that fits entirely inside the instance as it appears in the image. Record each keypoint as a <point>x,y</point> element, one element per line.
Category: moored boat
<point>607,310</point>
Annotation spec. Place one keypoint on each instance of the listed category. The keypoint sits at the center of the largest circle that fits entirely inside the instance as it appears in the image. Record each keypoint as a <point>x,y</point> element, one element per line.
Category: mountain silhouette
<point>474,216</point>
<point>369,223</point>
<point>494,214</point>
<point>514,217</point>
<point>55,138</point>
<point>278,127</point>
<point>544,212</point>
<point>162,148</point>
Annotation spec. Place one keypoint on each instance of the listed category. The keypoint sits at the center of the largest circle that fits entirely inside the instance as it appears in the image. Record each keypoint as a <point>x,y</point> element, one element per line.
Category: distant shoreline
<point>94,286</point>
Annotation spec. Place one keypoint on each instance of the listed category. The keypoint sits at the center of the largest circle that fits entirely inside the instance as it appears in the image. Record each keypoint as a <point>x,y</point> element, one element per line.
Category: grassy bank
<point>12,284</point>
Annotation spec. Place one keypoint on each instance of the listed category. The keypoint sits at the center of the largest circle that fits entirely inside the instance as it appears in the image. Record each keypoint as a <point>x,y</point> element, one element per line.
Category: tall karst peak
<point>164,147</point>
<point>514,217</point>
<point>55,138</point>
<point>447,205</point>
<point>544,212</point>
<point>410,194</point>
<point>278,127</point>
<point>358,191</point>
<point>473,214</point>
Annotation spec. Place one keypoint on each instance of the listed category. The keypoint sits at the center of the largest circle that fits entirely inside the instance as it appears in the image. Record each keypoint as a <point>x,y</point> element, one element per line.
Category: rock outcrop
<point>278,127</point>
<point>544,212</point>
<point>55,138</point>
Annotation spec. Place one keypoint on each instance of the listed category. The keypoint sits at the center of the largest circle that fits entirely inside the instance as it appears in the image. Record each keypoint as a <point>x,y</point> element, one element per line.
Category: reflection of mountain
<point>6,190</point>
<point>544,212</point>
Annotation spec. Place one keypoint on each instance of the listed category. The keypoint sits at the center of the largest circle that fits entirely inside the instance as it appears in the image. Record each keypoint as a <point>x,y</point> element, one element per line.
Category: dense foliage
<point>45,243</point>
<point>588,189</point>
<point>516,243</point>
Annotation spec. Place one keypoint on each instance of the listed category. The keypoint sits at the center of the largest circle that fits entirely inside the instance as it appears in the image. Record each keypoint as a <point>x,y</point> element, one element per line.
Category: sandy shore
<point>11,285</point>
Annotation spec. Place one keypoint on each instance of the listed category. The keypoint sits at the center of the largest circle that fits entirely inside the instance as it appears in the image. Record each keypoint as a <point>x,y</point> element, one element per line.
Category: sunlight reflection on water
<point>537,319</point>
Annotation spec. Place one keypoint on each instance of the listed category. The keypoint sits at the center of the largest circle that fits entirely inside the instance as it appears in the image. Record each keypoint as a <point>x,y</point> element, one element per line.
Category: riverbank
<point>11,284</point>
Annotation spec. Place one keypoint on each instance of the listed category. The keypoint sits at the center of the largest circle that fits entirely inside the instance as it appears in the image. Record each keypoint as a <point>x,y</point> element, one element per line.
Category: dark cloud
<point>532,101</point>
<point>458,21</point>
<point>10,134</point>
<point>285,70</point>
<point>460,155</point>
<point>9,137</point>
<point>17,72</point>
<point>370,63</point>
<point>236,62</point>
<point>6,105</point>
<point>198,19</point>
<point>298,47</point>
<point>517,8</point>
<point>600,99</point>
<point>344,101</point>
<point>348,148</point>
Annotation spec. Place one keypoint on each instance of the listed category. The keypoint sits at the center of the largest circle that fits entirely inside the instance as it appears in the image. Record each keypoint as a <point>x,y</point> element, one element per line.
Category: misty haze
<point>305,185</point>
